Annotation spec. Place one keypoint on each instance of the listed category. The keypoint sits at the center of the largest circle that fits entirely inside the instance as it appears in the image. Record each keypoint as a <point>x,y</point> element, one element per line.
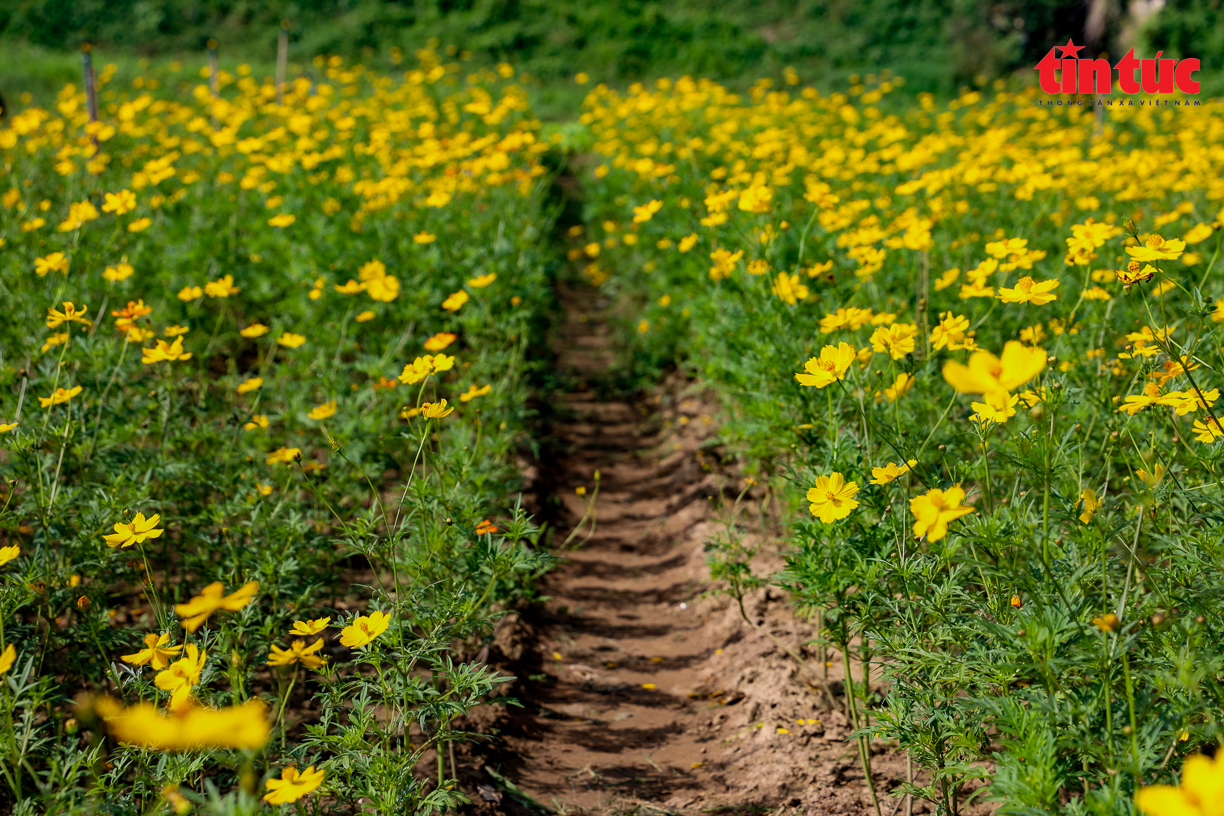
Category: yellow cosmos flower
<point>687,242</point>
<point>364,629</point>
<point>455,301</point>
<point>299,652</point>
<point>424,238</point>
<point>140,225</point>
<point>897,340</point>
<point>829,367</point>
<point>7,658</point>
<point>482,281</point>
<point>292,785</point>
<point>282,220</point>
<point>1205,430</point>
<point>176,331</point>
<point>951,333</point>
<point>8,554</point>
<point>987,374</point>
<point>384,289</point>
<point>323,411</point>
<point>138,531</point>
<point>1028,291</point>
<point>435,410</point>
<point>1091,504</point>
<point>120,203</point>
<point>886,474</point>
<point>118,272</point>
<point>350,288</point>
<point>5,427</point>
<point>1107,622</point>
<point>254,330</point>
<point>284,456</point>
<point>309,628</point>
<point>473,392</point>
<point>832,498</point>
<point>1200,794</point>
<point>1156,248</point>
<point>646,211</point>
<point>366,316</point>
<point>247,386</point>
<point>54,262</point>
<point>899,388</point>
<point>222,288</point>
<point>1153,478</point>
<point>181,676</point>
<point>788,289</point>
<point>59,396</point>
<point>190,293</point>
<point>440,341</point>
<point>243,727</point>
<point>934,509</point>
<point>423,366</point>
<point>291,340</point>
<point>996,407</point>
<point>212,598</point>
<point>155,652</point>
<point>257,421</point>
<point>165,352</point>
<point>70,314</point>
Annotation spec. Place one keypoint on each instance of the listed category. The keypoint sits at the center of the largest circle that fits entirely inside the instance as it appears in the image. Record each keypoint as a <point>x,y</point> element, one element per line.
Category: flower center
<point>827,365</point>
<point>1025,284</point>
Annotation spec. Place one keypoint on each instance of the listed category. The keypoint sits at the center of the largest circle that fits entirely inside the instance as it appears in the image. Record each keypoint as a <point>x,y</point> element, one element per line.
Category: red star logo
<point>1070,49</point>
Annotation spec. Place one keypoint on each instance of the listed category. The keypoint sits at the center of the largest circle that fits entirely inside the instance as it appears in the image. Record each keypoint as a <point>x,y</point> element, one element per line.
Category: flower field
<point>269,377</point>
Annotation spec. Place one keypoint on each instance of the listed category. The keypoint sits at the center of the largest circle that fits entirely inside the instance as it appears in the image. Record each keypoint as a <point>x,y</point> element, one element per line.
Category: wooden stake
<point>282,60</point>
<point>214,81</point>
<point>91,91</point>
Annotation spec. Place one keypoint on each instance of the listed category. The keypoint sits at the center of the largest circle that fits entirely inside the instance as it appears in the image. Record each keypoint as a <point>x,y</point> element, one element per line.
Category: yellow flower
<point>59,396</point>
<point>934,509</point>
<point>996,407</point>
<point>1205,430</point>
<point>245,726</point>
<point>443,339</point>
<point>222,288</point>
<point>724,263</point>
<point>176,331</point>
<point>788,289</point>
<point>70,314</point>
<point>257,421</point>
<point>424,238</point>
<point>899,388</point>
<point>647,211</point>
<point>366,316</point>
<point>455,301</point>
<point>254,330</point>
<point>423,366</point>
<point>54,262</point>
<point>886,474</point>
<point>181,676</point>
<point>290,340</point>
<point>687,242</point>
<point>1027,291</point>
<point>323,411</point>
<point>832,498</point>
<point>482,281</point>
<point>1091,504</point>
<point>7,554</point>
<point>952,333</point>
<point>140,225</point>
<point>5,427</point>
<point>7,658</point>
<point>350,288</point>
<point>1156,248</point>
<point>247,386</point>
<point>165,352</point>
<point>435,410</point>
<point>755,199</point>
<point>284,456</point>
<point>120,203</point>
<point>299,652</point>
<point>1201,792</point>
<point>473,392</point>
<point>987,374</point>
<point>897,339</point>
<point>363,629</point>
<point>1151,479</point>
<point>138,531</point>
<point>829,367</point>
<point>308,628</point>
<point>384,289</point>
<point>282,220</point>
<point>190,293</point>
<point>118,272</point>
<point>1107,622</point>
<point>212,598</point>
<point>292,785</point>
<point>155,652</point>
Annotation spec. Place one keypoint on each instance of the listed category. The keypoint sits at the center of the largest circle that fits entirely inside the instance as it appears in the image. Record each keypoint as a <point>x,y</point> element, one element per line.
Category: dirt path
<point>645,695</point>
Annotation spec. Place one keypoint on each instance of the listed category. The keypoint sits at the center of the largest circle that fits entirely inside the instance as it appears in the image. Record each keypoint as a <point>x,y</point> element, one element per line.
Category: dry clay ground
<point>641,692</point>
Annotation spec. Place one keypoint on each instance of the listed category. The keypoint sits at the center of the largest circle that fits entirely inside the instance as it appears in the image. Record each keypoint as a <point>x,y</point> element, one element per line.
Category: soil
<point>642,691</point>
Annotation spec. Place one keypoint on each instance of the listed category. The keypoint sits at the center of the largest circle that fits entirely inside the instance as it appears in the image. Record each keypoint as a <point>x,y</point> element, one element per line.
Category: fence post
<point>91,91</point>
<point>214,81</point>
<point>282,60</point>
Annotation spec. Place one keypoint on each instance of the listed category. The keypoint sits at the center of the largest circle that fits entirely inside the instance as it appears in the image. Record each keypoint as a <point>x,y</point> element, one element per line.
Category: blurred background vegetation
<point>937,45</point>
